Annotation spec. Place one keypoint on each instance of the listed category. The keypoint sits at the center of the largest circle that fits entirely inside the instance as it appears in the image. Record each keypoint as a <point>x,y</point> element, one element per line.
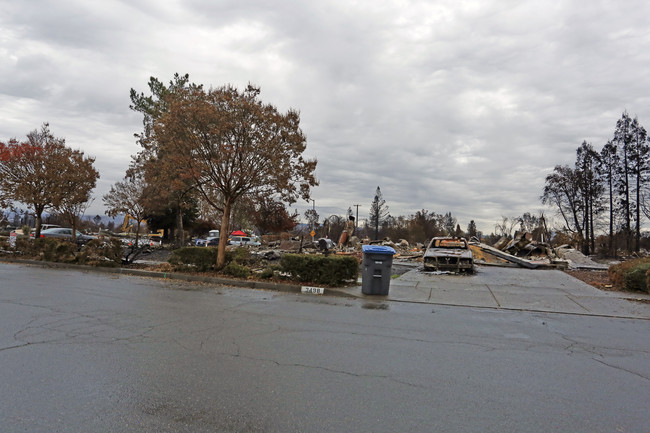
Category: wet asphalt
<point>87,352</point>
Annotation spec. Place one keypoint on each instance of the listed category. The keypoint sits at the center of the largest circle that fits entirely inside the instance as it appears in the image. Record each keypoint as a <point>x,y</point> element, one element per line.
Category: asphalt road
<point>84,352</point>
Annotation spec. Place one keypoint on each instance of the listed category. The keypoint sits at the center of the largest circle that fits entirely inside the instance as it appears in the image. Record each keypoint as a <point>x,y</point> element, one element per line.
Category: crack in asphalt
<point>570,298</point>
<point>493,296</point>
<point>576,346</point>
<point>331,370</point>
<point>621,369</point>
<point>63,327</point>
<point>18,346</point>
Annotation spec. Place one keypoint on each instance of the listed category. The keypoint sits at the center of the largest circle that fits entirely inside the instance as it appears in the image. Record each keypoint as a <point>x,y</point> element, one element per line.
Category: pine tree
<point>471,229</point>
<point>591,191</point>
<point>607,173</point>
<point>378,212</point>
<point>639,168</point>
<point>623,139</point>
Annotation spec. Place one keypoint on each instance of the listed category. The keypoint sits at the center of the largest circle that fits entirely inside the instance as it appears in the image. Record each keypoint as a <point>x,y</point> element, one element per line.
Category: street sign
<point>313,233</point>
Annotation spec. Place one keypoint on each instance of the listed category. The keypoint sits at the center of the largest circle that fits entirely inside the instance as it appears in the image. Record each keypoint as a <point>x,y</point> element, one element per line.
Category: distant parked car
<point>244,241</point>
<point>449,254</point>
<point>49,226</point>
<point>65,233</point>
<point>211,241</point>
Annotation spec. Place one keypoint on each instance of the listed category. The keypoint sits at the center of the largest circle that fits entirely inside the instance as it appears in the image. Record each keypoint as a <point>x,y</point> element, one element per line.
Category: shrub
<point>200,259</point>
<point>631,275</point>
<point>239,255</point>
<point>48,249</point>
<point>101,252</point>
<point>330,270</point>
<point>236,270</point>
<point>26,246</point>
<point>4,244</point>
<point>269,272</point>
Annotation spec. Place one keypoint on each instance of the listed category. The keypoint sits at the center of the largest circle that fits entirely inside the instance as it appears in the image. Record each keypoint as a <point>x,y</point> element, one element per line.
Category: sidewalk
<point>511,289</point>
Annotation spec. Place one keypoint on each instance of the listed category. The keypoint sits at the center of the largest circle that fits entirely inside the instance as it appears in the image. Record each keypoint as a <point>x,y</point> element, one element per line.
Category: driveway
<point>513,289</point>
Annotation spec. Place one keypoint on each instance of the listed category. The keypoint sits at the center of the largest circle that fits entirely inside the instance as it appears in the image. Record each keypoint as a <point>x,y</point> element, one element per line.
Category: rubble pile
<point>522,251</point>
<point>274,249</point>
<point>576,259</point>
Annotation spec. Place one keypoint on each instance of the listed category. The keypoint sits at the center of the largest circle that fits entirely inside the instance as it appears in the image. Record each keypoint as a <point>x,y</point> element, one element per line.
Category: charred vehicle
<point>448,254</point>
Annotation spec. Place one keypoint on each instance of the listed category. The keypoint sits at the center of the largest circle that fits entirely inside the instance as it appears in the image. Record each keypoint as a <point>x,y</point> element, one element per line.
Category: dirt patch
<point>597,278</point>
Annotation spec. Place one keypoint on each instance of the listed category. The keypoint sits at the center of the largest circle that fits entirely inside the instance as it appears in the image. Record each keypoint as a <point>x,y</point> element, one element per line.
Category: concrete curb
<point>249,284</point>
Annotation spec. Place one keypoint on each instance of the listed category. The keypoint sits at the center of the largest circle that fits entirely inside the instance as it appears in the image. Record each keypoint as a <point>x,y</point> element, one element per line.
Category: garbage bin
<point>376,272</point>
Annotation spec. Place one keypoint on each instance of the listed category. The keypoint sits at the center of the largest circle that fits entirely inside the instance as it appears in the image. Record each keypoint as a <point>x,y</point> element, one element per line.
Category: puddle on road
<point>375,306</point>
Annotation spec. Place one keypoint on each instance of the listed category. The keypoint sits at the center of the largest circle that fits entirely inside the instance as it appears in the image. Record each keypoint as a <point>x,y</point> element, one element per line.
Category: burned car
<point>448,254</point>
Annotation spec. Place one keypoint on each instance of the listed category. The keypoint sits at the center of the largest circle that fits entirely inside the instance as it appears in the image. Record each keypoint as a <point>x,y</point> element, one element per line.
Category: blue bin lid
<point>377,249</point>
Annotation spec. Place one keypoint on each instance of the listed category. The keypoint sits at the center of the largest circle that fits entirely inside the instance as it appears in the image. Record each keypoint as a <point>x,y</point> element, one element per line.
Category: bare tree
<point>78,177</point>
<point>128,197</point>
<point>562,192</point>
<point>505,226</point>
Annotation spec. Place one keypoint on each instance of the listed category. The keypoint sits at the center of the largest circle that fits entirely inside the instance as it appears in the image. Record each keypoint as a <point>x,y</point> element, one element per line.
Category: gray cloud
<point>447,106</point>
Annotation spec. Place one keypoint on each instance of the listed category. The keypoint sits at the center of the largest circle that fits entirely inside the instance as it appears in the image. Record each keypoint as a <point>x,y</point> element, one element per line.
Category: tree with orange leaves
<point>231,145</point>
<point>43,173</point>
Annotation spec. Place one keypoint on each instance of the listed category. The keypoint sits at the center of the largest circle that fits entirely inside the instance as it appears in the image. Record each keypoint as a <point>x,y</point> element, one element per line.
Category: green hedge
<point>330,270</point>
<point>631,275</point>
<point>236,270</point>
<point>199,259</point>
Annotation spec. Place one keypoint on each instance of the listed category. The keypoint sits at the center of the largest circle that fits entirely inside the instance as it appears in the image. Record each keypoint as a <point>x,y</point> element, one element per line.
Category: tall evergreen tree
<point>623,139</point>
<point>169,188</point>
<point>607,173</point>
<point>471,229</point>
<point>591,191</point>
<point>449,223</point>
<point>639,167</point>
<point>378,212</point>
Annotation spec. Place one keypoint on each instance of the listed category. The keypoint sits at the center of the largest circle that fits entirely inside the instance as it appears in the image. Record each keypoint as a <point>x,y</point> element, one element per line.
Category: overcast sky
<point>460,106</point>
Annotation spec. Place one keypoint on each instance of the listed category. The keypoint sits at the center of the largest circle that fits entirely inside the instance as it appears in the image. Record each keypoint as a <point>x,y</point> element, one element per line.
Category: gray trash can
<point>376,272</point>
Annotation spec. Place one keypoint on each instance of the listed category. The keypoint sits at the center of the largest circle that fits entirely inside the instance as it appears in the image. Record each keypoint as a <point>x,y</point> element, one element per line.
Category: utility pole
<point>312,217</point>
<point>356,221</point>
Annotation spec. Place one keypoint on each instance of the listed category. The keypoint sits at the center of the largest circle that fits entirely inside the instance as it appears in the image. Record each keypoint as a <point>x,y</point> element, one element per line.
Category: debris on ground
<point>577,260</point>
<point>522,251</point>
